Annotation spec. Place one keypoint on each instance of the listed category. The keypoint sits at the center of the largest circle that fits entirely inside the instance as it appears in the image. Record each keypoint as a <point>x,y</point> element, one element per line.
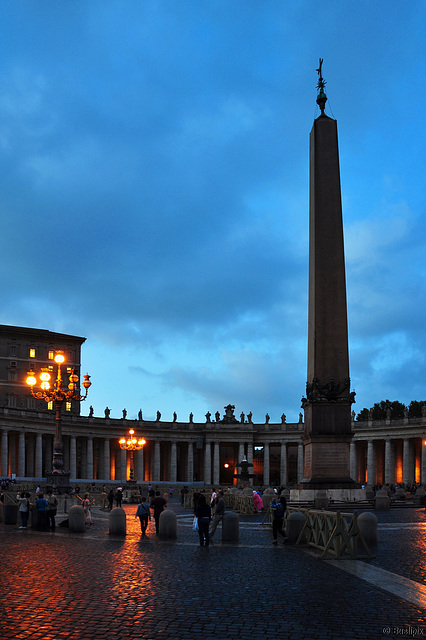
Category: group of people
<point>44,508</point>
<point>143,512</point>
<point>208,515</point>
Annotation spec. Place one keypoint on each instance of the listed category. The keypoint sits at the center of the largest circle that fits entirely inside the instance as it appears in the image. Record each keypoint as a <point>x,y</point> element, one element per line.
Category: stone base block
<point>336,495</point>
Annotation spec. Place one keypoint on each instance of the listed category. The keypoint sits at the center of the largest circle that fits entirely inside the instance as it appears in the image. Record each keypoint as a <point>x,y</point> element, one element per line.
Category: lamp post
<point>131,444</point>
<point>58,394</point>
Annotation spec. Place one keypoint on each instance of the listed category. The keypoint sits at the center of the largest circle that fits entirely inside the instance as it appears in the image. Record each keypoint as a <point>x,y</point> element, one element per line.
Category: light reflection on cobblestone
<point>92,586</point>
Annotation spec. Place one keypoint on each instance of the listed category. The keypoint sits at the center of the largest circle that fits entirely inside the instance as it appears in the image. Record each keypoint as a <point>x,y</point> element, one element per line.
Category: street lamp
<point>58,394</point>
<point>131,444</point>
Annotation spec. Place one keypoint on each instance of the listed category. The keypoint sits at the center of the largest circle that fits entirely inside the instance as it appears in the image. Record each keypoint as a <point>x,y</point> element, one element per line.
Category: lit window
<point>50,405</point>
<point>32,353</point>
<point>69,369</point>
<point>68,406</point>
<point>50,355</point>
<point>50,367</point>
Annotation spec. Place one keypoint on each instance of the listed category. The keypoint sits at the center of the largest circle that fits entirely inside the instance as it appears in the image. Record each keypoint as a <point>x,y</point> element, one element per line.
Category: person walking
<point>119,496</point>
<point>157,505</point>
<point>24,508</point>
<point>110,498</point>
<point>86,503</point>
<point>203,513</point>
<point>278,512</point>
<point>41,510</point>
<point>51,510</point>
<point>143,513</point>
<point>218,513</point>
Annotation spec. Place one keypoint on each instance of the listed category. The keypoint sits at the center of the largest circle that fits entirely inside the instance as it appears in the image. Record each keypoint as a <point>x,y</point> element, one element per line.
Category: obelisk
<point>328,399</point>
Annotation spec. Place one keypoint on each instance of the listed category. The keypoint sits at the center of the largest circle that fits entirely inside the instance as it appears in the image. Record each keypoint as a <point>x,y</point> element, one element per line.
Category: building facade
<point>22,350</point>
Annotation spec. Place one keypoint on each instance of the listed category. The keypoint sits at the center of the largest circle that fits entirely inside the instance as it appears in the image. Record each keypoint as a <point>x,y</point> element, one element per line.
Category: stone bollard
<point>10,513</point>
<point>321,500</point>
<point>400,493</point>
<point>230,527</point>
<point>117,522</point>
<point>76,519</point>
<point>367,524</point>
<point>286,493</point>
<point>382,500</point>
<point>267,496</point>
<point>369,493</point>
<point>167,525</point>
<point>294,526</point>
<point>419,497</point>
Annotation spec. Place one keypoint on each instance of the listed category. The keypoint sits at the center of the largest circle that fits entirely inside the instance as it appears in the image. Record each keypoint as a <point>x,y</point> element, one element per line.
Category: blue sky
<point>154,181</point>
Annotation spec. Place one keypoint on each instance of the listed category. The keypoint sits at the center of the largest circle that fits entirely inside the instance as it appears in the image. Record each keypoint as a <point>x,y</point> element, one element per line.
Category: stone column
<point>388,462</point>
<point>140,466</point>
<point>371,464</point>
<point>266,464</point>
<point>250,452</point>
<point>353,462</point>
<point>73,457</point>
<point>299,462</point>
<point>216,464</point>
<point>423,462</point>
<point>283,464</point>
<point>48,458</point>
<point>156,470</point>
<point>190,463</point>
<point>4,453</point>
<point>107,460</point>
<point>38,466</point>
<point>83,466</point>
<point>21,455</point>
<point>207,463</point>
<point>89,458</point>
<point>240,452</point>
<point>30,457</point>
<point>66,442</point>
<point>173,461</point>
<point>406,466</point>
<point>123,465</point>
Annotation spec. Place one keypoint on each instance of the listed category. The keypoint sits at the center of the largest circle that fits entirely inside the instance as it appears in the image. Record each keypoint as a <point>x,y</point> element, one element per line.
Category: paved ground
<point>60,586</point>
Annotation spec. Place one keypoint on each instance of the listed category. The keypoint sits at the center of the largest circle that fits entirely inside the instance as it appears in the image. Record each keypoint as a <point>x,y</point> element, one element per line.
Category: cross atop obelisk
<point>328,398</point>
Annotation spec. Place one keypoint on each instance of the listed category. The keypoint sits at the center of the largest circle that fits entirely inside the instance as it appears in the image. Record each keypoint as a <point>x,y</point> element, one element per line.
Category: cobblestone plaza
<point>59,586</point>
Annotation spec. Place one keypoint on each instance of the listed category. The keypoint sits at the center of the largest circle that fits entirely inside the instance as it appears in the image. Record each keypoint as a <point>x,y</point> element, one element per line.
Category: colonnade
<point>206,453</point>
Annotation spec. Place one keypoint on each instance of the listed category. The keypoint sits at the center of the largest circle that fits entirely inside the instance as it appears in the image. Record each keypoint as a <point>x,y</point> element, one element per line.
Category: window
<point>68,406</point>
<point>50,354</point>
<point>13,375</point>
<point>50,405</point>
<point>11,401</point>
<point>32,353</point>
<point>50,367</point>
<point>30,403</point>
<point>12,350</point>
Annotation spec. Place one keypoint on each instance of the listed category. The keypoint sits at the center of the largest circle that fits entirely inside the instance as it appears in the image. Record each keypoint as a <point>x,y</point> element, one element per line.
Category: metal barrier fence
<point>336,534</point>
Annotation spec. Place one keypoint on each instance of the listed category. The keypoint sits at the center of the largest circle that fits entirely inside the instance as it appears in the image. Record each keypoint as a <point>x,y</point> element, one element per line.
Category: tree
<point>379,410</point>
<point>415,408</point>
<point>363,414</point>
